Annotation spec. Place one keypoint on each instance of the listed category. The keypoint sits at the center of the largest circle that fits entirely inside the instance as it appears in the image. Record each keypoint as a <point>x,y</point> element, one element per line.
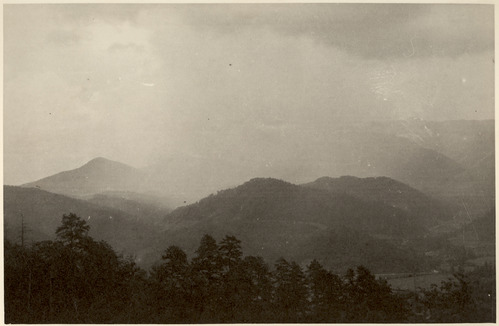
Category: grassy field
<point>418,281</point>
<point>405,281</point>
<point>491,260</point>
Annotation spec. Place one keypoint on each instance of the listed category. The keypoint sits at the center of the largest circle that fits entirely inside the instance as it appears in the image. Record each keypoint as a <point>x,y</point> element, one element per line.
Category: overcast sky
<point>142,83</point>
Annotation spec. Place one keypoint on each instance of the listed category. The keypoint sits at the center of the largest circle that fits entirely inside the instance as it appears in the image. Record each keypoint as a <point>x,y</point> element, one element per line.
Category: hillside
<point>389,192</point>
<point>469,143</point>
<point>43,212</point>
<point>425,155</point>
<point>97,176</point>
<point>261,200</point>
<point>481,229</point>
<point>465,141</point>
<point>478,236</point>
<point>274,218</point>
<point>144,206</point>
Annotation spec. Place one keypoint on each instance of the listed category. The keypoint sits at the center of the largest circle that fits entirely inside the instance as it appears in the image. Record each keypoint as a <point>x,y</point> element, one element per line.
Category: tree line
<point>76,279</point>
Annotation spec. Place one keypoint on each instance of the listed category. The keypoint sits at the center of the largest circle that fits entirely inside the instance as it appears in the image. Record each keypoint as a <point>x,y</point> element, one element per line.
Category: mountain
<point>42,212</point>
<point>381,154</point>
<point>266,199</point>
<point>142,205</point>
<point>342,222</point>
<point>483,228</point>
<point>464,141</point>
<point>389,192</point>
<point>449,160</point>
<point>469,143</point>
<point>97,176</point>
<point>274,218</point>
<point>356,151</point>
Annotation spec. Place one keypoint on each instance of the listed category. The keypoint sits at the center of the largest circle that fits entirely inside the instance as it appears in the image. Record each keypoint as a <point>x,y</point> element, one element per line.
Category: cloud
<point>117,47</point>
<point>63,37</point>
<point>238,83</point>
<point>368,30</point>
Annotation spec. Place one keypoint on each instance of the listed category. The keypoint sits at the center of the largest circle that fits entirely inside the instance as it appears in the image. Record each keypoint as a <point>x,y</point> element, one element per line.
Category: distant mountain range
<point>467,142</point>
<point>413,179</point>
<point>42,213</point>
<point>275,218</point>
<point>97,176</point>
<point>145,205</point>
<point>270,200</point>
<point>429,211</point>
<point>450,160</point>
<point>108,183</point>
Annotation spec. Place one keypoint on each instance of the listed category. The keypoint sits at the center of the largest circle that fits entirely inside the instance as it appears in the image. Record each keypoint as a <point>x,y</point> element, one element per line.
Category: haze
<point>247,85</point>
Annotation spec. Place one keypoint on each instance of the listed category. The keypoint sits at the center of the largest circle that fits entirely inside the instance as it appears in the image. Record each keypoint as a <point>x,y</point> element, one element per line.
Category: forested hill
<point>76,279</point>
<point>271,200</point>
<point>388,191</point>
<point>342,222</point>
<point>41,211</point>
<point>275,218</point>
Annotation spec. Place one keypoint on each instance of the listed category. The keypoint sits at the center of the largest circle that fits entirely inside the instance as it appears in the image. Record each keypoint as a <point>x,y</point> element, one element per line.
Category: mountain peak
<point>266,180</point>
<point>265,183</point>
<point>98,159</point>
<point>387,190</point>
<point>331,179</point>
<point>102,160</point>
<point>96,176</point>
<point>100,163</point>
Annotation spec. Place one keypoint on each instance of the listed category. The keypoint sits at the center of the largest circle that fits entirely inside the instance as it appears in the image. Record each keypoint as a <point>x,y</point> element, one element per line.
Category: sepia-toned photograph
<point>248,163</point>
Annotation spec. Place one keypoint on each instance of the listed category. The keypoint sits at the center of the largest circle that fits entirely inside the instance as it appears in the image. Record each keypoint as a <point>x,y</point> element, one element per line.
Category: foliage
<point>73,230</point>
<point>78,280</point>
<point>466,298</point>
<point>72,280</point>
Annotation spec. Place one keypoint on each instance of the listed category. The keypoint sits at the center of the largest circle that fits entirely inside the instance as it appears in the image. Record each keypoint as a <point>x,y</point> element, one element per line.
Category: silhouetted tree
<point>79,280</point>
<point>172,280</point>
<point>206,275</point>
<point>230,252</point>
<point>371,300</point>
<point>325,293</point>
<point>290,291</point>
<point>232,279</point>
<point>73,230</point>
<point>466,298</point>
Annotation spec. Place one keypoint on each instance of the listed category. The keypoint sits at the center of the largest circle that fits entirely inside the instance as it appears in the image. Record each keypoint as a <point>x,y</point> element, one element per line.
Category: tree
<point>206,261</point>
<point>18,277</point>
<point>371,300</point>
<point>230,252</point>
<point>206,276</point>
<point>466,298</point>
<point>290,291</point>
<point>73,230</point>
<point>325,292</point>
<point>172,280</point>
<point>255,291</point>
<point>259,278</point>
<point>231,287</point>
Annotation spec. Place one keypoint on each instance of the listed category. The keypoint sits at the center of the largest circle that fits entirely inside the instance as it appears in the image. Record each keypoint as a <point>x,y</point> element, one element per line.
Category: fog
<point>235,89</point>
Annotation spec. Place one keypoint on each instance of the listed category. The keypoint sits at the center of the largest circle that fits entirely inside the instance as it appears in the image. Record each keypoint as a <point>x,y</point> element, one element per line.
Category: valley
<point>386,224</point>
<point>253,163</point>
<point>412,202</point>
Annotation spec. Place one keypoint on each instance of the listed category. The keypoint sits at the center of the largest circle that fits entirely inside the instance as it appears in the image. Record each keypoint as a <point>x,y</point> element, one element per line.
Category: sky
<point>142,84</point>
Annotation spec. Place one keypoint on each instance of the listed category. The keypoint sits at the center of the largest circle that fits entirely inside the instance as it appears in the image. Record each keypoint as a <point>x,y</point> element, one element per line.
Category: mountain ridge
<point>276,218</point>
<point>388,191</point>
<point>96,176</point>
<point>42,212</point>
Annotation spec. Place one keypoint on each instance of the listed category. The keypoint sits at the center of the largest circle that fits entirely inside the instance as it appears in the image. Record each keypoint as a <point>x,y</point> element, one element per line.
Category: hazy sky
<point>142,83</point>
